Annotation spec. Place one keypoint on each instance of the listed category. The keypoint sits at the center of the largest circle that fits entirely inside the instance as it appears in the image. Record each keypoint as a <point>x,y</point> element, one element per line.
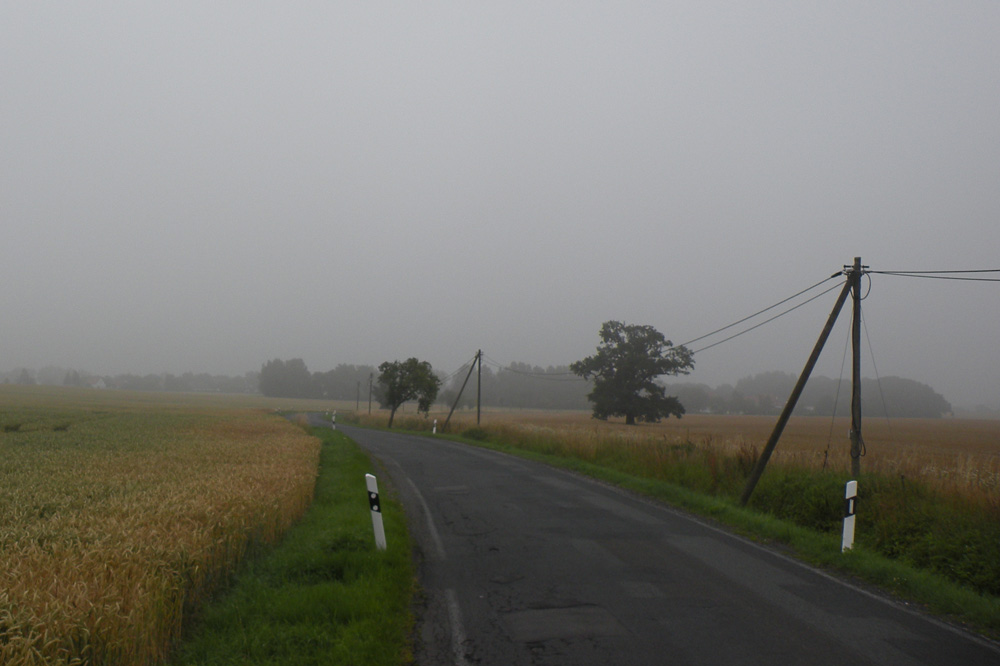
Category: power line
<point>985,270</point>
<point>878,378</point>
<point>768,308</point>
<point>570,376</point>
<point>940,275</point>
<point>461,369</point>
<point>945,275</point>
<point>766,321</point>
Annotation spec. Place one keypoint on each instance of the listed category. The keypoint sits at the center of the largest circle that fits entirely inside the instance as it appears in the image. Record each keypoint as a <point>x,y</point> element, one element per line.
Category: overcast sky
<point>203,186</point>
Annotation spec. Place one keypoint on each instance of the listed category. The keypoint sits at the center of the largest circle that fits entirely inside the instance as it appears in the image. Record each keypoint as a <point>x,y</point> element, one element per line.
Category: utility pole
<point>479,386</point>
<point>786,413</point>
<point>478,357</point>
<point>370,392</point>
<point>854,278</point>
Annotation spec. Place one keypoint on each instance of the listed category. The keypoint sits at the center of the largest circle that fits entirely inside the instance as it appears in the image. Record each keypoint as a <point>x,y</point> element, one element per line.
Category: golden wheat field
<point>119,512</point>
<point>960,454</point>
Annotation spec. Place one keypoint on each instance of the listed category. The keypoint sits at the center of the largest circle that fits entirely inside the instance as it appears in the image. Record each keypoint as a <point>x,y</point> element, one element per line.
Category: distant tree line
<point>520,386</point>
<point>187,382</point>
<point>292,379</point>
<point>524,386</point>
<point>766,393</point>
<point>201,382</point>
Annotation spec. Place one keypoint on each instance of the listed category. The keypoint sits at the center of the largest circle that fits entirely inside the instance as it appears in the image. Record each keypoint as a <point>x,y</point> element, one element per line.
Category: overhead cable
<point>767,321</point>
<point>946,275</point>
<point>570,376</point>
<point>461,369</point>
<point>768,308</point>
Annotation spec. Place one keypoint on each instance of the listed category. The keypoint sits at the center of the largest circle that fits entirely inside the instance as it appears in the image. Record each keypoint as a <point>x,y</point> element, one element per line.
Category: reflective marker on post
<point>376,507</point>
<point>850,506</point>
<point>435,430</point>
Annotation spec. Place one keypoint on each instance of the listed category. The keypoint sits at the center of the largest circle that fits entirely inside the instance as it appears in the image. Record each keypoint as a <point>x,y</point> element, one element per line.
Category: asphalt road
<point>526,564</point>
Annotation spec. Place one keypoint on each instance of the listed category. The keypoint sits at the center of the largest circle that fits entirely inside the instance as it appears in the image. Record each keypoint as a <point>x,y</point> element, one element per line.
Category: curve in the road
<point>526,564</point>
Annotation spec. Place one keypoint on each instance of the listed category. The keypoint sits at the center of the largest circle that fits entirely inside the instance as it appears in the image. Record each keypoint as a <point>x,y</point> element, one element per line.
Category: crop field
<point>120,513</point>
<point>956,454</point>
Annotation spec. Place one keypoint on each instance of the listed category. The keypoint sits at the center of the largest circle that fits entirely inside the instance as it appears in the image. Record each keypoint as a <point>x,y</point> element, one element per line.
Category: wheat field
<point>120,512</point>
<point>958,454</point>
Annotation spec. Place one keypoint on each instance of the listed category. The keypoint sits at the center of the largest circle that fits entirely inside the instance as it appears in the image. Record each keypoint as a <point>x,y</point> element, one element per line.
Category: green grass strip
<point>325,595</point>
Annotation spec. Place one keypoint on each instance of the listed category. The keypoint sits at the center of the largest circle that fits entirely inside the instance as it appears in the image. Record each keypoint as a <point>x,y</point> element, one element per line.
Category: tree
<point>286,379</point>
<point>624,370</point>
<point>402,381</point>
<point>342,383</point>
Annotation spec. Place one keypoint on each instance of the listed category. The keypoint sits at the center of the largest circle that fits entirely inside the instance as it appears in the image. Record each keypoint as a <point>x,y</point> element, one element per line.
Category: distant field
<point>964,453</point>
<point>12,397</point>
<point>120,511</point>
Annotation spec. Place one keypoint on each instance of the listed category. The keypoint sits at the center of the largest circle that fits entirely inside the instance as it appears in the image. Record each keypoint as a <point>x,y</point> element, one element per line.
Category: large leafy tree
<point>402,381</point>
<point>624,371</point>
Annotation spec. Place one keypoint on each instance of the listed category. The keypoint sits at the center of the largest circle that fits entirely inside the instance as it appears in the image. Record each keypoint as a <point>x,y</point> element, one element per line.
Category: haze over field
<point>206,186</point>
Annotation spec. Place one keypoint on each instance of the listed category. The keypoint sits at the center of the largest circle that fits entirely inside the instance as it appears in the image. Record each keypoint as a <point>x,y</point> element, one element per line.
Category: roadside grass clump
<point>118,526</point>
<point>325,595</point>
<point>405,422</point>
<point>476,433</point>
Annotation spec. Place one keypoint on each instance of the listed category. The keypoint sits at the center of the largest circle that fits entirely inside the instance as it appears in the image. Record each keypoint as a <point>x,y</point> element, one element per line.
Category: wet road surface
<point>525,564</point>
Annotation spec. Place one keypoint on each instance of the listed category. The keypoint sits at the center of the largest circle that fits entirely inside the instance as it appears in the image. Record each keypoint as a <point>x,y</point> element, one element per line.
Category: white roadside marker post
<point>376,507</point>
<point>850,506</point>
<point>435,430</point>
<point>333,419</point>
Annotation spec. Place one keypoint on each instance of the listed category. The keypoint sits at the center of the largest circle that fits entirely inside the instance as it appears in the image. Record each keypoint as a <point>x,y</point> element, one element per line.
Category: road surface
<point>525,564</point>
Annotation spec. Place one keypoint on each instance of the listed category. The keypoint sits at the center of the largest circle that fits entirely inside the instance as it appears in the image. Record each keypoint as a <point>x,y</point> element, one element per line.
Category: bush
<point>948,534</point>
<point>477,434</point>
<point>814,500</point>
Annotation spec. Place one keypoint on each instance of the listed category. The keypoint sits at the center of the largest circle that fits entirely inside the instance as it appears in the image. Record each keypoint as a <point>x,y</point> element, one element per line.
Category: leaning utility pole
<point>853,284</point>
<point>477,358</point>
<point>786,413</point>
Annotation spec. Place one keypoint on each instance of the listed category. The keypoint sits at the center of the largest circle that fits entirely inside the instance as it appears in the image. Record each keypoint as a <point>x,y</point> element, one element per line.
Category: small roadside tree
<point>624,371</point>
<point>401,381</point>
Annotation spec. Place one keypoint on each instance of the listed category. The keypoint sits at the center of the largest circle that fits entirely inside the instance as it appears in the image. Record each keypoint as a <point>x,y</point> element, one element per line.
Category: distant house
<point>100,384</point>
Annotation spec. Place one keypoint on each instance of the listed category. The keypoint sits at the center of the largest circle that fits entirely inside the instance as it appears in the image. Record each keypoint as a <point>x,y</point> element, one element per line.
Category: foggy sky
<point>192,186</point>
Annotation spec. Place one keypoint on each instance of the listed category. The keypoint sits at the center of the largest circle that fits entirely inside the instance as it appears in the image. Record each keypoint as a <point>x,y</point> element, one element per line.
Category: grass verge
<point>325,595</point>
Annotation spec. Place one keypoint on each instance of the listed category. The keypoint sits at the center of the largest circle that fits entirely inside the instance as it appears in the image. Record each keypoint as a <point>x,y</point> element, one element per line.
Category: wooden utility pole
<point>786,413</point>
<point>478,358</point>
<point>854,279</point>
<point>479,386</point>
